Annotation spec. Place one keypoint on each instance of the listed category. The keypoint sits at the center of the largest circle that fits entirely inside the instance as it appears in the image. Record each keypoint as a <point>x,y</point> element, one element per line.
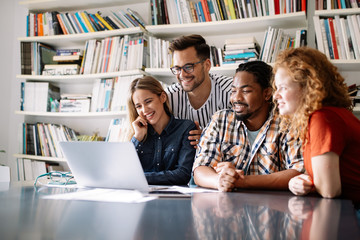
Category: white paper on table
<point>103,195</point>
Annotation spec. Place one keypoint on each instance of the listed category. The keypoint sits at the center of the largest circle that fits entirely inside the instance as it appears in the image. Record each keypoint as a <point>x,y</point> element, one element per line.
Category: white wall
<point>12,25</point>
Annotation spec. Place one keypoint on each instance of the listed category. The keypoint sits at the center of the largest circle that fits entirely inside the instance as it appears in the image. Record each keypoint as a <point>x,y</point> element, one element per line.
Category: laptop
<point>110,165</point>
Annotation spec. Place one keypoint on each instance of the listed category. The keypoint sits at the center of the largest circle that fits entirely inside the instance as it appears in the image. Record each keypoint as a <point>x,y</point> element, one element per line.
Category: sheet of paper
<point>103,195</point>
<point>189,190</point>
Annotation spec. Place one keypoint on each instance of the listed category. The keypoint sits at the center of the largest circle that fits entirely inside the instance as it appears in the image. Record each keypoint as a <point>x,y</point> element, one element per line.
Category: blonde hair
<point>144,83</point>
<point>321,84</point>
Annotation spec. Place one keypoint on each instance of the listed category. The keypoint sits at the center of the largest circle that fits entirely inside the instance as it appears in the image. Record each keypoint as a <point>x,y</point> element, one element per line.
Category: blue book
<point>211,10</point>
<point>80,20</point>
<point>240,55</point>
<point>343,4</point>
<point>200,12</point>
<point>119,18</point>
<point>328,38</point>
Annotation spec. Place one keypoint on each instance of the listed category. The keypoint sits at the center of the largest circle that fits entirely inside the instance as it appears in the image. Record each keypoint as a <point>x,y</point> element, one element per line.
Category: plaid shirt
<point>225,140</point>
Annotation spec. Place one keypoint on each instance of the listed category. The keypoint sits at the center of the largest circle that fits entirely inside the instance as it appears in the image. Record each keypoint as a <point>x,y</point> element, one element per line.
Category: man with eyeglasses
<point>198,93</point>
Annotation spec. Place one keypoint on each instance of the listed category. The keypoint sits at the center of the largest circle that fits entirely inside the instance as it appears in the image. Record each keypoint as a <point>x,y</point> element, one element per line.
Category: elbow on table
<point>331,193</point>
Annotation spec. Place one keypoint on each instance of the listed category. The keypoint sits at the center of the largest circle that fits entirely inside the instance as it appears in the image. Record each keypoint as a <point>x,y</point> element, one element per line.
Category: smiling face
<point>190,81</point>
<point>150,106</point>
<point>288,92</point>
<point>249,100</point>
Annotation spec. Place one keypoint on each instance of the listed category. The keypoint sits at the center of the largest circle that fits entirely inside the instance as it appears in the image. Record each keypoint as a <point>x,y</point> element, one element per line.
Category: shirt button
<point>141,151</point>
<point>172,149</point>
<point>158,150</point>
<point>158,164</point>
<point>159,138</point>
<point>244,161</point>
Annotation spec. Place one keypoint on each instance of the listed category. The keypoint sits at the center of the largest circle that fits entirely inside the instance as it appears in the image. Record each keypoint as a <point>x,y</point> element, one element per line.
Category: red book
<point>303,5</point>
<point>61,24</point>
<point>339,4</point>
<point>206,10</point>
<point>333,38</point>
<point>277,6</point>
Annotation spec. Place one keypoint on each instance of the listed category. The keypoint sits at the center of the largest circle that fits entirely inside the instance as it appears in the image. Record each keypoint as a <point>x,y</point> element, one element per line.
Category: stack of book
<point>186,11</point>
<point>42,139</point>
<point>113,54</point>
<point>240,50</point>
<point>111,94</point>
<point>38,96</point>
<point>75,103</point>
<point>338,37</point>
<point>68,63</point>
<point>54,23</point>
<point>276,40</point>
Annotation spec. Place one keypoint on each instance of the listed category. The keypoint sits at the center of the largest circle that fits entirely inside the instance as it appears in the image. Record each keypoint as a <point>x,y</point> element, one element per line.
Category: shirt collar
<point>166,129</point>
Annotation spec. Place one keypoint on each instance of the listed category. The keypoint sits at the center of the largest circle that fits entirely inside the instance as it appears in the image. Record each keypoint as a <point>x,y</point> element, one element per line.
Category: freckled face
<point>288,92</point>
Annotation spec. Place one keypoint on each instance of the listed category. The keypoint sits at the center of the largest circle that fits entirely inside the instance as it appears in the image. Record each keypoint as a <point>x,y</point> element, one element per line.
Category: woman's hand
<point>140,126</point>
<point>301,184</point>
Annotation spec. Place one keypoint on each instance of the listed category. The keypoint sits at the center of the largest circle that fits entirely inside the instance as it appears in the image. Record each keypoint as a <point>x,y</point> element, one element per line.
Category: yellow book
<point>87,22</point>
<point>103,21</point>
<point>231,9</point>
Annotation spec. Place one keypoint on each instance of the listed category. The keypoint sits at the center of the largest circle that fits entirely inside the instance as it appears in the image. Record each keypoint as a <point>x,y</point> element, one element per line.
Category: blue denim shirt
<point>167,158</point>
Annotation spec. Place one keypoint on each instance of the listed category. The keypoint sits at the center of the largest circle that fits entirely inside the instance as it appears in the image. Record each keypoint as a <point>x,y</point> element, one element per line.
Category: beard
<point>198,81</point>
<point>242,117</point>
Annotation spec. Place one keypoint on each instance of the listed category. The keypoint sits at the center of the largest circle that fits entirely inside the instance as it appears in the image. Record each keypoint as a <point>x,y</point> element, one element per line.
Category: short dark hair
<point>261,71</point>
<point>194,40</point>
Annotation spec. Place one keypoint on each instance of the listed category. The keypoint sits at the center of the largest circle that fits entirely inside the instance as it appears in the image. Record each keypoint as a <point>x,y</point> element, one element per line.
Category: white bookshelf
<point>73,114</point>
<point>39,158</point>
<point>82,78</point>
<point>342,65</point>
<point>333,12</point>
<point>246,25</point>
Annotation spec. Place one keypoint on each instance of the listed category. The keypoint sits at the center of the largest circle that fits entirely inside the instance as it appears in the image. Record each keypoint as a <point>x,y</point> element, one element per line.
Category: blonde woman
<point>313,101</point>
<point>161,141</point>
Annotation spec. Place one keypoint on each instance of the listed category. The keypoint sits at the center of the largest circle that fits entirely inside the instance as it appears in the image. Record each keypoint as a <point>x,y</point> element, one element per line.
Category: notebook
<point>110,165</point>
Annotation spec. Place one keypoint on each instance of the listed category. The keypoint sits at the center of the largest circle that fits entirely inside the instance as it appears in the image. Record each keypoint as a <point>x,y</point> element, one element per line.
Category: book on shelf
<point>276,40</point>
<point>118,130</point>
<point>338,37</point>
<point>61,69</point>
<point>74,105</point>
<point>67,58</point>
<point>336,4</point>
<point>38,96</point>
<point>185,11</point>
<point>42,139</point>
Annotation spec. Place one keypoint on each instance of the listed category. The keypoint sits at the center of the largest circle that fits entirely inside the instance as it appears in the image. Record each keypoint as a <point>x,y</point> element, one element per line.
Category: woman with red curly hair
<point>313,101</point>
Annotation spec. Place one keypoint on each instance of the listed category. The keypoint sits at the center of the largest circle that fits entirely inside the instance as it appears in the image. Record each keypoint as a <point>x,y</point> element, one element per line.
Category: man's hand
<point>195,135</point>
<point>301,184</point>
<point>228,175</point>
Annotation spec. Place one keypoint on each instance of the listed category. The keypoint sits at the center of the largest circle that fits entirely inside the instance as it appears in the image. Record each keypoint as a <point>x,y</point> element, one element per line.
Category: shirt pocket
<point>268,157</point>
<point>171,154</point>
<point>231,152</point>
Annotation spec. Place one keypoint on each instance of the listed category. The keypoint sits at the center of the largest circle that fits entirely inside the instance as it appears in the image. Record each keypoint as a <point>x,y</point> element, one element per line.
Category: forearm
<point>273,181</point>
<point>169,177</point>
<point>205,176</point>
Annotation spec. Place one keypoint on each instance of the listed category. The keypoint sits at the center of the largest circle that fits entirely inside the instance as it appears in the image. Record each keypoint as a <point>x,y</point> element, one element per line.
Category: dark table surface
<point>24,214</point>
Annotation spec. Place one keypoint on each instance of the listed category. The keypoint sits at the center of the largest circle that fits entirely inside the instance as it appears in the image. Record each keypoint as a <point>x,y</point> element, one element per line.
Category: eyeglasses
<point>57,178</point>
<point>188,68</point>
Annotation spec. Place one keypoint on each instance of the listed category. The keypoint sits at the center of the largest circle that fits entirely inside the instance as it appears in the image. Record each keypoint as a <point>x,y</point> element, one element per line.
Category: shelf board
<point>346,65</point>
<point>333,12</point>
<point>356,110</point>
<point>74,115</point>
<point>40,158</point>
<point>59,41</point>
<point>82,77</point>
<point>70,5</point>
<point>248,25</point>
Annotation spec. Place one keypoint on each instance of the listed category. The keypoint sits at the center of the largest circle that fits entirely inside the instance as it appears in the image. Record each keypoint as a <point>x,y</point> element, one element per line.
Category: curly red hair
<point>321,84</point>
